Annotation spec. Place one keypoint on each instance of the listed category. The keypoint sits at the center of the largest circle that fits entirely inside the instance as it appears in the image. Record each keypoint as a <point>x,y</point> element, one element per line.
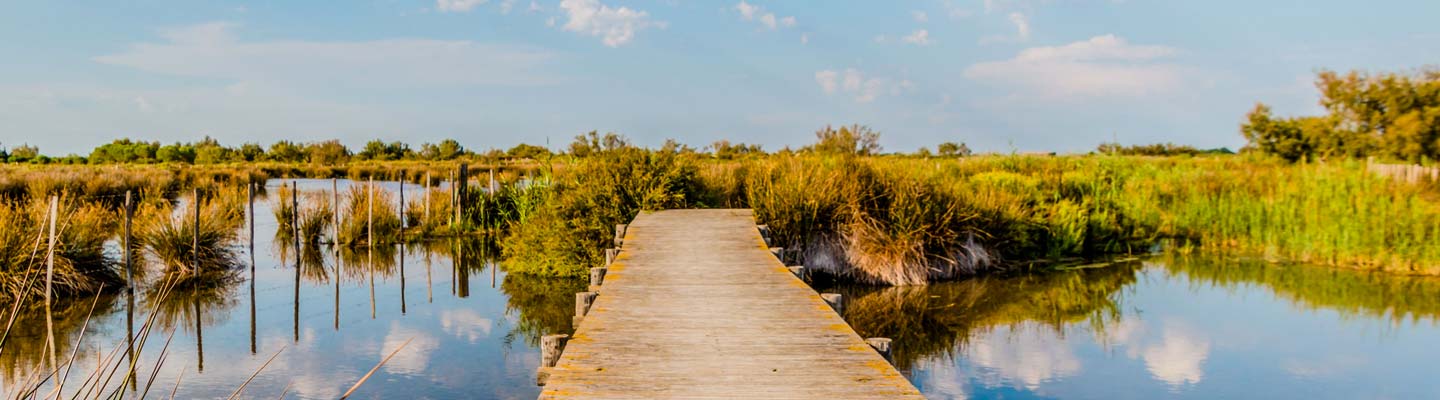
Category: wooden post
<point>551,346</point>
<point>835,301</point>
<point>453,192</point>
<point>583,301</point>
<point>50,250</point>
<point>611,255</point>
<point>462,179</point>
<point>597,277</point>
<point>195,234</point>
<point>250,213</point>
<point>129,213</point>
<point>402,202</point>
<point>295,217</point>
<point>882,346</point>
<point>335,205</point>
<point>619,234</point>
<point>427,199</point>
<point>779,253</point>
<point>370,213</point>
<point>798,271</point>
<point>492,181</point>
<point>765,234</point>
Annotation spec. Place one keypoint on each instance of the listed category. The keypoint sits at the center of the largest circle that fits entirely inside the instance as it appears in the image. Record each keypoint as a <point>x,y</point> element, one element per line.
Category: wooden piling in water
<point>765,234</point>
<point>882,346</point>
<point>427,199</point>
<point>619,235</point>
<point>335,206</point>
<point>125,243</point>
<point>50,249</point>
<point>402,201</point>
<point>195,233</point>
<point>798,271</point>
<point>583,301</point>
<point>836,302</point>
<point>597,277</point>
<point>611,255</point>
<point>370,213</point>
<point>551,346</point>
<point>779,253</point>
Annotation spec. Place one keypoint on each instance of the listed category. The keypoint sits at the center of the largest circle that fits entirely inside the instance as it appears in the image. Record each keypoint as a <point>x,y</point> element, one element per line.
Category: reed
<point>356,214</point>
<point>81,265</point>
<point>170,237</point>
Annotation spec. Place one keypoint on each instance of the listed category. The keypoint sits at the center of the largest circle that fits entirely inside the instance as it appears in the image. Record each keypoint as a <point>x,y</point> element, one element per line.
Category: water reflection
<point>335,314</point>
<point>1169,327</point>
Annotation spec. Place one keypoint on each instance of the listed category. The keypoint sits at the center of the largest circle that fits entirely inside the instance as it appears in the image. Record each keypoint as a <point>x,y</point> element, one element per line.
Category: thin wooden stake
<point>427,198</point>
<point>370,213</point>
<point>49,279</point>
<point>195,234</point>
<point>335,205</point>
<point>129,213</point>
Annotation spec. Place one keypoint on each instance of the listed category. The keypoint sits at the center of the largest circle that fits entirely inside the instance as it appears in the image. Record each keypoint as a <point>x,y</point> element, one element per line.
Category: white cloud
<point>415,357</point>
<point>143,105</point>
<point>1101,66</point>
<point>751,12</point>
<point>506,6</point>
<point>457,5</point>
<point>1178,358</point>
<point>855,84</point>
<point>805,38</point>
<point>212,51</point>
<point>747,10</point>
<point>1022,25</point>
<point>1026,356</point>
<point>828,81</point>
<point>920,16</point>
<point>615,26</point>
<point>957,12</point>
<point>535,7</point>
<point>920,37</point>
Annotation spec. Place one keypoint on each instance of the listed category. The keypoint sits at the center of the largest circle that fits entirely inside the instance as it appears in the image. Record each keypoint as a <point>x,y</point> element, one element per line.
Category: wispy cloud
<point>752,12</point>
<point>614,26</point>
<point>457,5</point>
<point>1101,66</point>
<point>212,50</point>
<point>920,37</point>
<point>1022,30</point>
<point>860,88</point>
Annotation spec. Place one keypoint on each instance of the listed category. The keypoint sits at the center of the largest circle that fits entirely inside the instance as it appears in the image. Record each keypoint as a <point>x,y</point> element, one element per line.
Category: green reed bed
<point>368,209</point>
<point>81,264</point>
<point>172,237</point>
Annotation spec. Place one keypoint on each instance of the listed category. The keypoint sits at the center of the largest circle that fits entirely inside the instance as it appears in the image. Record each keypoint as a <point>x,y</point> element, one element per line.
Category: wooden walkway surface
<point>695,306</point>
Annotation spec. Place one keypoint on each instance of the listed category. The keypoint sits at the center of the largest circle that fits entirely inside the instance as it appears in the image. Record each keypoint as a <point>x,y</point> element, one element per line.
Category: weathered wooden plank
<point>695,305</point>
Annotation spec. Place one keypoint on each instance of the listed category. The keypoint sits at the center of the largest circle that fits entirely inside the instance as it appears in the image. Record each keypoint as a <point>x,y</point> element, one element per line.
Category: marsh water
<point>1164,327</point>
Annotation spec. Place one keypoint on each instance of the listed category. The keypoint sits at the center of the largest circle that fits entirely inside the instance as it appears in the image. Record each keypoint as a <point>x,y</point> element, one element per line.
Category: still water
<point>472,329</point>
<point>1167,327</point>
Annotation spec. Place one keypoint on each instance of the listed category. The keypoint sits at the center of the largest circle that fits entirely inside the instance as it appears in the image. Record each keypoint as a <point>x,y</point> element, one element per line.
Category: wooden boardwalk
<point>695,306</point>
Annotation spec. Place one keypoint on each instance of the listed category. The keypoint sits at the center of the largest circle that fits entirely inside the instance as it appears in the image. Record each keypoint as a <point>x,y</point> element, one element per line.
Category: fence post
<point>427,199</point>
<point>370,213</point>
<point>402,201</point>
<point>551,347</point>
<point>50,250</point>
<point>335,203</point>
<point>835,301</point>
<point>882,346</point>
<point>195,233</point>
<point>129,213</point>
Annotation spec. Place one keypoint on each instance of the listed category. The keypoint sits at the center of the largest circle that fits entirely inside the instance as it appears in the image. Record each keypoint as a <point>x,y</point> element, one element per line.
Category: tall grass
<point>364,204</point>
<point>170,235</point>
<point>81,264</point>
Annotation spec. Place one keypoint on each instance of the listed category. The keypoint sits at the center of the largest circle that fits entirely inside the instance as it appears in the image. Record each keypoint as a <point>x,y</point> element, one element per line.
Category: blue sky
<point>1000,75</point>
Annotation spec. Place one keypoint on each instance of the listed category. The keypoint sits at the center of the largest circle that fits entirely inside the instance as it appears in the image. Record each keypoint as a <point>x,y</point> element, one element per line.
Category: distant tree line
<point>1393,116</point>
<point>1157,149</point>
<point>845,140</point>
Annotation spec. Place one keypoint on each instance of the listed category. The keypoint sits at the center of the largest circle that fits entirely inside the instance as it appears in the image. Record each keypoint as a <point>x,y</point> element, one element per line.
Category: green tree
<point>24,153</point>
<point>952,149</point>
<point>1280,137</point>
<point>285,151</point>
<point>852,140</point>
<point>329,152</point>
<point>527,151</point>
<point>176,153</point>
<point>252,152</point>
<point>592,143</point>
